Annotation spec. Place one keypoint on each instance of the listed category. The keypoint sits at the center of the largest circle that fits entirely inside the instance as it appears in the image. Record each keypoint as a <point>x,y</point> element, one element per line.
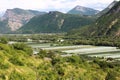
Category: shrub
<point>2,77</point>
<point>24,47</point>
<point>111,76</point>
<point>16,61</point>
<point>4,66</point>
<point>42,53</point>
<point>16,76</point>
<point>3,40</point>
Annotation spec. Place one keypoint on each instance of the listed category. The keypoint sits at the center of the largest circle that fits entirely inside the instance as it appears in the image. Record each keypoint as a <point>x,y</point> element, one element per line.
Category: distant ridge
<point>15,18</point>
<point>80,10</point>
<point>55,22</point>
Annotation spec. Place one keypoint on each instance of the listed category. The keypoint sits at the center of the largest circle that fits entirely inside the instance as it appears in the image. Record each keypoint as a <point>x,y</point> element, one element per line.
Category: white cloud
<point>60,5</point>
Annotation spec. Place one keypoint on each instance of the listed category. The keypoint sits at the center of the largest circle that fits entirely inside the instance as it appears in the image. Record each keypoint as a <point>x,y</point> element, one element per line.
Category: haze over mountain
<point>53,5</point>
<point>55,22</point>
<point>1,14</point>
<point>83,11</point>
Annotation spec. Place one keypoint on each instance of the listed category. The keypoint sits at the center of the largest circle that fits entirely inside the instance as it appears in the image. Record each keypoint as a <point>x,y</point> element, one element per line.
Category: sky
<point>53,5</point>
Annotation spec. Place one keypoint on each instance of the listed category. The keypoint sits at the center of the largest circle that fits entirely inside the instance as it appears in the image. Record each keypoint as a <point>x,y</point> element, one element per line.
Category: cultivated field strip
<point>92,50</point>
<point>68,47</point>
<point>117,55</point>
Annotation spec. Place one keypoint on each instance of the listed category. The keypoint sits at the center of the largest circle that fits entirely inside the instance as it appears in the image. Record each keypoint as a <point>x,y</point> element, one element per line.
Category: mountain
<point>83,11</point>
<point>108,25</point>
<point>55,22</point>
<point>1,14</point>
<point>106,9</point>
<point>18,17</point>
<point>4,26</point>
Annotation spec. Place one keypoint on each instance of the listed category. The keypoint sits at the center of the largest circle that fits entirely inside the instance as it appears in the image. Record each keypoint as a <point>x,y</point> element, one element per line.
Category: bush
<point>16,61</point>
<point>3,40</point>
<point>74,59</point>
<point>5,47</point>
<point>55,61</point>
<point>111,76</point>
<point>42,53</point>
<point>2,77</point>
<point>16,76</point>
<point>23,47</point>
<point>4,66</point>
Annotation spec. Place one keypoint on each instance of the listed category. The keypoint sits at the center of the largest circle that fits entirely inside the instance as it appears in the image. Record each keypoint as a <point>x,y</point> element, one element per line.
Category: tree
<point>111,76</point>
<point>24,47</point>
<point>16,76</point>
<point>3,40</point>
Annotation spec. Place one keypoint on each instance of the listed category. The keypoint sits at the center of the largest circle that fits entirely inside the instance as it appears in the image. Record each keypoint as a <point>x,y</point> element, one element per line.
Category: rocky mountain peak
<point>18,17</point>
<point>83,11</point>
<point>80,8</point>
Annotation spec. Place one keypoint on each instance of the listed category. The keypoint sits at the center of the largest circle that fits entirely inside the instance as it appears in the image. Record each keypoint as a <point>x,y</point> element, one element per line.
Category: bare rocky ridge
<point>18,17</point>
<point>80,10</point>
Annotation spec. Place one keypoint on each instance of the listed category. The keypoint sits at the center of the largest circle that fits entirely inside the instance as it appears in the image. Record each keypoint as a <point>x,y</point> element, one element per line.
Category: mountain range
<point>14,19</point>
<point>108,25</point>
<point>55,22</point>
<point>87,21</point>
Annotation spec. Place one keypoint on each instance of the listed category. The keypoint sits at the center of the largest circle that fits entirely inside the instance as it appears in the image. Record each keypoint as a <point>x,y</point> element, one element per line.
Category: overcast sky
<point>52,5</point>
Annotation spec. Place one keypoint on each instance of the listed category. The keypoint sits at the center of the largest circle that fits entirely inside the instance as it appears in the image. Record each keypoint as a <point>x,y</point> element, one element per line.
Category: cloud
<point>48,5</point>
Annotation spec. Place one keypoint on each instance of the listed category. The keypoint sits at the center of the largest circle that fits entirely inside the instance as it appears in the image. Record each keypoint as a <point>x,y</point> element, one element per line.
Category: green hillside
<point>18,63</point>
<point>108,25</point>
<point>55,22</point>
<point>106,9</point>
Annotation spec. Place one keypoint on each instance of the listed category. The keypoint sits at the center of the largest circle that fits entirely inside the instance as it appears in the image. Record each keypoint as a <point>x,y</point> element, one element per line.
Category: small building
<point>29,40</point>
<point>35,52</point>
<point>60,40</point>
<point>12,42</point>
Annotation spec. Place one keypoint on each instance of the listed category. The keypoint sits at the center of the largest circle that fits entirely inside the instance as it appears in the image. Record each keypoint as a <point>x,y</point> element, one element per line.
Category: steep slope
<point>54,22</point>
<point>83,11</point>
<point>4,27</point>
<point>18,17</point>
<point>1,13</point>
<point>108,25</point>
<point>106,9</point>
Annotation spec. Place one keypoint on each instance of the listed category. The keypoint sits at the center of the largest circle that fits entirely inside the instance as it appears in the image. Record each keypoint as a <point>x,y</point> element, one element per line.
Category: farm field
<point>92,51</point>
